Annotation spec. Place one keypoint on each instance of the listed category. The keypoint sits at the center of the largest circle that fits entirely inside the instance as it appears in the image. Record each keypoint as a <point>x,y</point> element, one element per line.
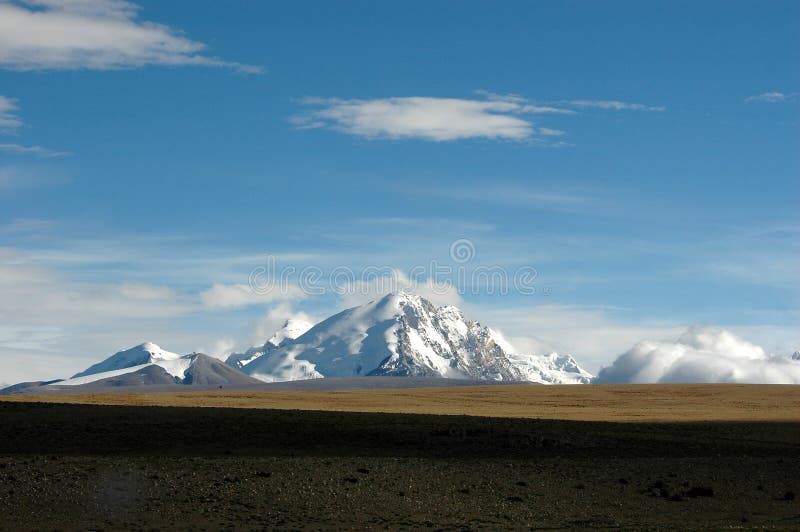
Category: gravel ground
<point>90,467</point>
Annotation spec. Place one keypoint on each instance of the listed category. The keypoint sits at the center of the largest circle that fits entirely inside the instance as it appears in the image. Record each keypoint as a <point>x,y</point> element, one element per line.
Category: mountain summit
<point>403,335</point>
<point>146,353</point>
<point>291,329</point>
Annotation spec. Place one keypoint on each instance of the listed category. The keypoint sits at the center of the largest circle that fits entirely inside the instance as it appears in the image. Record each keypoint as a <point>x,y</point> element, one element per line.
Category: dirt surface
<point>127,467</point>
<point>625,403</point>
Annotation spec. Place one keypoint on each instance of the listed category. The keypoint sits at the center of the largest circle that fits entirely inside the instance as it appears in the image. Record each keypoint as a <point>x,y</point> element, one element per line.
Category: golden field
<point>621,403</point>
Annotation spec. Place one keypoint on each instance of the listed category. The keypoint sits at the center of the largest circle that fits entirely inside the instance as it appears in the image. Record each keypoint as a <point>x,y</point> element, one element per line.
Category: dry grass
<point>624,403</point>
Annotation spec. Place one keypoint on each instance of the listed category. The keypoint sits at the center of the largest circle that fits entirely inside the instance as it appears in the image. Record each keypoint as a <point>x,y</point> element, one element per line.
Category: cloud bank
<point>93,34</point>
<point>701,355</point>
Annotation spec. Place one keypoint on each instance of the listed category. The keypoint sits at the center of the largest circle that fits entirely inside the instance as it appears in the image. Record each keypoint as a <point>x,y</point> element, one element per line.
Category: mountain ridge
<point>398,335</point>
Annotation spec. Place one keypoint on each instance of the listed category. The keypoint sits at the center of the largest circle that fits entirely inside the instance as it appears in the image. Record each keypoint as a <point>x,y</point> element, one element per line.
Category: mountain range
<point>400,335</point>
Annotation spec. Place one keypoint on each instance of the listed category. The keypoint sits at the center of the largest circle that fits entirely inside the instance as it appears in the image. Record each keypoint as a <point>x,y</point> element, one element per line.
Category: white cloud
<point>242,295</point>
<point>436,119</point>
<point>33,295</point>
<point>93,34</point>
<point>219,348</point>
<point>389,281</point>
<point>264,327</point>
<point>768,97</point>
<point>493,116</point>
<point>616,105</point>
<point>701,355</point>
<point>8,118</point>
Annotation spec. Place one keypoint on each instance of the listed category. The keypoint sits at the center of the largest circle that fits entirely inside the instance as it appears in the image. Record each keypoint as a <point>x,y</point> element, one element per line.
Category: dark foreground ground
<point>120,467</point>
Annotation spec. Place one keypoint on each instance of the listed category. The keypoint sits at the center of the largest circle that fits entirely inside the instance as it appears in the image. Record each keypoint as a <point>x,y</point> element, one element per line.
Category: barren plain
<point>500,457</point>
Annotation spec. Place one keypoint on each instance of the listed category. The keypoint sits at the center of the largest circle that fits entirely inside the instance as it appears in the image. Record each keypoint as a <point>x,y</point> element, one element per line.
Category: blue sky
<point>642,157</point>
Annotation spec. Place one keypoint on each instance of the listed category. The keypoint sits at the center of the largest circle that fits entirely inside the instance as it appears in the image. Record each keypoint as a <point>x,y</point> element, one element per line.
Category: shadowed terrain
<point>74,466</point>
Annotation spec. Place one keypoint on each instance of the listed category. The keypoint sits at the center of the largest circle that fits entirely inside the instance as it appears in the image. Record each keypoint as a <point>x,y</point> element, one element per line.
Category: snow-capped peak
<point>156,352</point>
<point>291,329</point>
<point>796,355</point>
<point>146,353</point>
<point>405,334</point>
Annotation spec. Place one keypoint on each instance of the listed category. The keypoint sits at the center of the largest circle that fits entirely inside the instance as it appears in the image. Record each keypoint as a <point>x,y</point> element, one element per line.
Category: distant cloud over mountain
<point>701,355</point>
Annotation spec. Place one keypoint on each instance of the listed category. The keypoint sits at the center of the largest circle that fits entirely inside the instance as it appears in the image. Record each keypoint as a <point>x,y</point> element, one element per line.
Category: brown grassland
<point>617,403</point>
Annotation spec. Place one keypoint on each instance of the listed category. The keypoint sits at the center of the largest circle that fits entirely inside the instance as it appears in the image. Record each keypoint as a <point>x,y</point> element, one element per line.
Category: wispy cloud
<point>526,106</point>
<point>550,132</point>
<point>404,222</point>
<point>97,35</point>
<point>615,105</point>
<point>37,295</point>
<point>241,295</point>
<point>769,97</point>
<point>511,194</point>
<point>8,118</point>
<point>49,310</point>
<point>13,178</point>
<point>9,122</point>
<point>32,150</point>
<point>364,290</point>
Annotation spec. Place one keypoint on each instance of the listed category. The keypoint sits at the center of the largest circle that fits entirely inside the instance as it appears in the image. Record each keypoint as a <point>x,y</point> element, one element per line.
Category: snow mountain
<point>404,335</point>
<point>146,353</point>
<point>148,364</point>
<point>291,329</point>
